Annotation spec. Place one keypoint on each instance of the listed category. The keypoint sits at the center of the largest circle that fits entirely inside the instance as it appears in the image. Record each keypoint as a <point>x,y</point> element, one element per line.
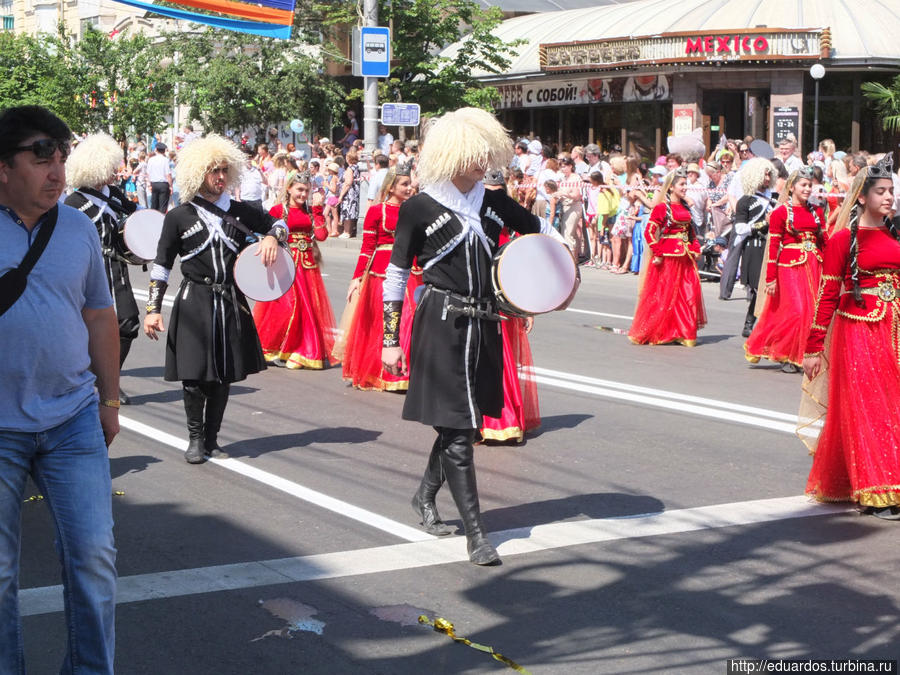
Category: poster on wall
<point>682,121</point>
<point>785,122</point>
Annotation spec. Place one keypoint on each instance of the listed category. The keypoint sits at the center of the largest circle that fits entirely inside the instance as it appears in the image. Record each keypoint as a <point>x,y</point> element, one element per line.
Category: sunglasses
<point>744,150</point>
<point>44,148</point>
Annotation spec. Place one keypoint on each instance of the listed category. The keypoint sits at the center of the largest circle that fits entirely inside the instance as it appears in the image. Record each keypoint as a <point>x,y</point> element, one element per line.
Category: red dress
<point>520,400</point>
<point>299,327</point>
<point>670,303</point>
<point>362,356</point>
<point>796,241</point>
<point>857,457</point>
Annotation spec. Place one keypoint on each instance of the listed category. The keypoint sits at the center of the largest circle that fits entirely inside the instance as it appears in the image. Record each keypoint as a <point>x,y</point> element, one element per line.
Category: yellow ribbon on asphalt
<point>443,626</point>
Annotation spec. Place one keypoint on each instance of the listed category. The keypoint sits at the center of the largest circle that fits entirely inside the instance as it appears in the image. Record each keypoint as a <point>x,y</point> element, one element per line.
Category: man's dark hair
<point>780,168</point>
<point>382,161</point>
<point>22,122</point>
<point>522,145</point>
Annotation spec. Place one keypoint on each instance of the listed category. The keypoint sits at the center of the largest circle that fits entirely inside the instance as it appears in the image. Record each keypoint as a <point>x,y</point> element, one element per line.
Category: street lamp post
<point>817,72</point>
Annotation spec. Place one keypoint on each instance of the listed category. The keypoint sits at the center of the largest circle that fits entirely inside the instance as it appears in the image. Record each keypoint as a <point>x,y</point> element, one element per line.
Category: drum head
<point>536,273</point>
<point>262,283</point>
<point>142,231</point>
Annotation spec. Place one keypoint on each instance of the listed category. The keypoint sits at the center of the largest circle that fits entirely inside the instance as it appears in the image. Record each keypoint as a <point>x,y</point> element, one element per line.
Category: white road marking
<point>588,311</point>
<point>218,578</point>
<point>659,398</point>
<point>294,489</point>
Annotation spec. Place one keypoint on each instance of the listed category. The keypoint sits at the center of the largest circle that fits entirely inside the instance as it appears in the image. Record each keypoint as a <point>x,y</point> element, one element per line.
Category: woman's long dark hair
<point>855,213</point>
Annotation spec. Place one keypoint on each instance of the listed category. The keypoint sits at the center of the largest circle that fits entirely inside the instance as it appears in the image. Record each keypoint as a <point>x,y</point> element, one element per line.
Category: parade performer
<point>297,330</point>
<point>362,364</point>
<point>91,171</point>
<point>212,340</point>
<point>670,303</point>
<point>455,365</point>
<point>853,353</point>
<point>521,411</point>
<point>751,225</point>
<point>793,271</point>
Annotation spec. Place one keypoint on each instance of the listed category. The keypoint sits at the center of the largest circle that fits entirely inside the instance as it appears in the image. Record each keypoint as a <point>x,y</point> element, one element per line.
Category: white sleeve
<point>394,286</point>
<point>160,273</point>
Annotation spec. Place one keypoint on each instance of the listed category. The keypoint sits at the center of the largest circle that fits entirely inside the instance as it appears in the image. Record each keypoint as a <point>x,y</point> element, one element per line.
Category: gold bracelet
<point>110,402</point>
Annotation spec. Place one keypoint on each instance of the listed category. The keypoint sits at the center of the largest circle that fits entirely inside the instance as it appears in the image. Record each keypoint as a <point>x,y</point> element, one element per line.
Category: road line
<point>294,489</point>
<point>218,578</point>
<point>664,403</point>
<point>588,311</point>
<point>662,393</point>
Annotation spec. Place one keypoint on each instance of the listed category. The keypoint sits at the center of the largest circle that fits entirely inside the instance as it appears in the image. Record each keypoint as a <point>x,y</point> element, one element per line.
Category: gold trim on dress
<point>507,434</point>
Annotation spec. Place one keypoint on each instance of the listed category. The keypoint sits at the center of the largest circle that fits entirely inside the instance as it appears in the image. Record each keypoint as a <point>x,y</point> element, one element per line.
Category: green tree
<point>885,99</point>
<point>120,84</point>
<point>34,71</point>
<point>421,30</point>
<point>96,83</point>
<point>236,80</point>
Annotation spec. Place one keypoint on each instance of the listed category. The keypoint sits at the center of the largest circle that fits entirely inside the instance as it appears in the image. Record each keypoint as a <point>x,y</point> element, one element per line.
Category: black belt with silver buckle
<point>466,305</point>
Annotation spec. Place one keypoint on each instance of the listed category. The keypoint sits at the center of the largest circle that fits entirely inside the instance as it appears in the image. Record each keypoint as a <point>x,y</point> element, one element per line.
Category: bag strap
<point>40,242</point>
<point>224,215</point>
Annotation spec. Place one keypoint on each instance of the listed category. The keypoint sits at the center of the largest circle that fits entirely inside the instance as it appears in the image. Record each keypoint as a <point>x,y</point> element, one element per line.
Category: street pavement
<point>654,523</point>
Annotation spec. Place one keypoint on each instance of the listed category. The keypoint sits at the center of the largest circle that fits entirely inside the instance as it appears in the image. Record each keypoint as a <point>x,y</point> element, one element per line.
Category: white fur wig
<point>756,174</point>
<point>94,162</point>
<point>202,154</point>
<point>459,141</point>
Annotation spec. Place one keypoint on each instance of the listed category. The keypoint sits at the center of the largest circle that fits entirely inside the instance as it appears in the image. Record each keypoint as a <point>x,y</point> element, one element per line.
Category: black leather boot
<point>217,399</point>
<point>748,326</point>
<point>423,500</point>
<point>124,348</point>
<point>194,400</point>
<point>457,462</point>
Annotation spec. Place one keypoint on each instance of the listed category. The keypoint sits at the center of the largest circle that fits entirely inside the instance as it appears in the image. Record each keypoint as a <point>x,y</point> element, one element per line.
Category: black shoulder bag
<point>13,283</point>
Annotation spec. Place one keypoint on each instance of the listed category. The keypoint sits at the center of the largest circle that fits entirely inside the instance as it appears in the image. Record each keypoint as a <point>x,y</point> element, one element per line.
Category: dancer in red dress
<point>670,304</point>
<point>793,271</point>
<point>520,400</point>
<point>520,412</point>
<point>298,329</point>
<point>857,456</point>
<point>362,364</point>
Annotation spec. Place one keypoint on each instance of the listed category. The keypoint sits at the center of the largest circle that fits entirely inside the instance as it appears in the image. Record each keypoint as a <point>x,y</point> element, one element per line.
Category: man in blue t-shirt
<point>59,340</point>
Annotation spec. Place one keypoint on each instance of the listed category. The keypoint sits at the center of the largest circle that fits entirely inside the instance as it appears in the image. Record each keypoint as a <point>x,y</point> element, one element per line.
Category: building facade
<point>635,73</point>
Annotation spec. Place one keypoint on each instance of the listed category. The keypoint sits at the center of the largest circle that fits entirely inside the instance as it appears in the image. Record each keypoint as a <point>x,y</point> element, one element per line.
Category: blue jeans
<point>70,465</point>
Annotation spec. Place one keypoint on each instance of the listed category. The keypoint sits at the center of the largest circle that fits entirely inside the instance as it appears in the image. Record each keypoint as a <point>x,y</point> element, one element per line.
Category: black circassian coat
<point>211,335</point>
<point>456,362</point>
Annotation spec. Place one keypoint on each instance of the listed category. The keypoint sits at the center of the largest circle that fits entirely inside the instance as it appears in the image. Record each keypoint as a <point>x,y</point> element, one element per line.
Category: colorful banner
<point>270,18</point>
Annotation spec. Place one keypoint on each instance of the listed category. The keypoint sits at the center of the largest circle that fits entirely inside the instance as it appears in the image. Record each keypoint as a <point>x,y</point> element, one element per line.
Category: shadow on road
<point>119,466</point>
<point>327,435</point>
<point>556,422</point>
<point>576,507</point>
<point>172,395</point>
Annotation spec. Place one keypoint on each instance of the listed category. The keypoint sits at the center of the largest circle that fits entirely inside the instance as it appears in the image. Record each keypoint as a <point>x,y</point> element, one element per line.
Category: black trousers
<point>159,196</point>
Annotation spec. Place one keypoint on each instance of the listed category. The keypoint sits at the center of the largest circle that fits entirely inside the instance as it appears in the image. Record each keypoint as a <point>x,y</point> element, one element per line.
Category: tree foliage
<point>120,85</point>
<point>885,99</point>
<point>232,80</point>
<point>421,30</point>
<point>96,83</point>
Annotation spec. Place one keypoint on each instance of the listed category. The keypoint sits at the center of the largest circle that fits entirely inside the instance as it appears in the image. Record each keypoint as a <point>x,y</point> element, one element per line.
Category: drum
<point>262,283</point>
<point>141,236</point>
<point>533,274</point>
